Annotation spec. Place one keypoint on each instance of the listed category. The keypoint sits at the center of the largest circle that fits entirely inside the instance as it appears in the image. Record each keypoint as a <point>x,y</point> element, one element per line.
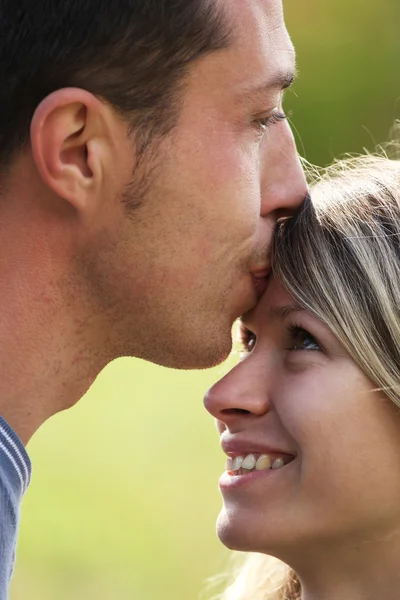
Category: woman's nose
<point>236,396</point>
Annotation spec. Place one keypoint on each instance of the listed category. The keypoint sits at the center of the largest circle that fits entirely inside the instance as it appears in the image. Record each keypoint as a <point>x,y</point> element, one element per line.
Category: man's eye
<point>301,339</point>
<point>248,339</point>
<point>263,123</point>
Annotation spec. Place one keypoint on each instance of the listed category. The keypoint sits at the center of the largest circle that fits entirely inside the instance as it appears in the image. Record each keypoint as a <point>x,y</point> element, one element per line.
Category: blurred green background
<point>124,494</point>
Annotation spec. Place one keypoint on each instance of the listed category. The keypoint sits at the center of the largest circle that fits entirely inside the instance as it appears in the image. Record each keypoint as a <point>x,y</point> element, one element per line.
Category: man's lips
<point>260,279</point>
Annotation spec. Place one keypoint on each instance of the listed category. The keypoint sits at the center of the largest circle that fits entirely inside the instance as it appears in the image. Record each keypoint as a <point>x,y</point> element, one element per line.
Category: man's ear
<point>77,143</point>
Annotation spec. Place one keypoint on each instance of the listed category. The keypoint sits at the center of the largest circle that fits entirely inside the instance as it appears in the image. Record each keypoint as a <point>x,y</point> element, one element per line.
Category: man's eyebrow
<point>281,80</point>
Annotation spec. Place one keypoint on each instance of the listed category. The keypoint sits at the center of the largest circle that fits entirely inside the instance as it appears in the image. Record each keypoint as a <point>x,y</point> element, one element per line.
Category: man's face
<point>186,261</point>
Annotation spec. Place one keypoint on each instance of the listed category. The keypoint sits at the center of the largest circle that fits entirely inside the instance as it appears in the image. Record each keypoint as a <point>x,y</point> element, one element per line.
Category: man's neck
<point>47,360</point>
<point>40,375</point>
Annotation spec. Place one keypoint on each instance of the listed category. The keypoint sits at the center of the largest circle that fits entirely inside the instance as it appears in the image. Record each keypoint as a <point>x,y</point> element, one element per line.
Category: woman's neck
<point>367,570</point>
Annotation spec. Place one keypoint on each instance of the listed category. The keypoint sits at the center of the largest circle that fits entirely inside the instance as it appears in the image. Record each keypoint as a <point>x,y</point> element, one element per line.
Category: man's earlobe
<point>66,139</point>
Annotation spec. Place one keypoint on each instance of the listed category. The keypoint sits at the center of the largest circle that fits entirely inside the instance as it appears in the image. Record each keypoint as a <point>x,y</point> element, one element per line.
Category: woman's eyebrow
<point>281,312</point>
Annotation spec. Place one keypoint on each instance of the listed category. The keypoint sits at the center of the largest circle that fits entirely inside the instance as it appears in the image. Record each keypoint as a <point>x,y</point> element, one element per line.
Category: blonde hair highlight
<point>339,258</point>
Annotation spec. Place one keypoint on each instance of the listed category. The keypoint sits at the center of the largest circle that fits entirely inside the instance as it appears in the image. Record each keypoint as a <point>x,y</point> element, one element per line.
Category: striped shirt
<point>15,473</point>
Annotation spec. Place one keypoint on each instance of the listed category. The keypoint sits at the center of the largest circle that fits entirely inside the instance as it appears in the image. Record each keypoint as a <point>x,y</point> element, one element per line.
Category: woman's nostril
<point>235,411</point>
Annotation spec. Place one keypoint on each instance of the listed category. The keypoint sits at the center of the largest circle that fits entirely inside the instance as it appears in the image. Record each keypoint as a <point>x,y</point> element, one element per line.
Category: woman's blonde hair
<point>339,258</point>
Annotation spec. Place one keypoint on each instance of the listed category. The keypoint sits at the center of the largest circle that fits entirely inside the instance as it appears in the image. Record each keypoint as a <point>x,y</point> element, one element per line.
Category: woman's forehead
<point>276,303</point>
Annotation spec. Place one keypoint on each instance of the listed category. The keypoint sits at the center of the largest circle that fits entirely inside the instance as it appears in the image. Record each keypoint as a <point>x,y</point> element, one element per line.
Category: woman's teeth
<point>241,465</point>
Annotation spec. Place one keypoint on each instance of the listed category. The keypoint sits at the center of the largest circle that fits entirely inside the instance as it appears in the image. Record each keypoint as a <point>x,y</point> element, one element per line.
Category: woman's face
<point>297,399</point>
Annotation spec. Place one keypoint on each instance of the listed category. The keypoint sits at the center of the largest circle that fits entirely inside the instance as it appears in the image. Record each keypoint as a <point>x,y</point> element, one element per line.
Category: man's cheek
<point>228,158</point>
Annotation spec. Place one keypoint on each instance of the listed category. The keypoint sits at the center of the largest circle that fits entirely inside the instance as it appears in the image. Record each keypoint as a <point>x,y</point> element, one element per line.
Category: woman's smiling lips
<point>248,461</point>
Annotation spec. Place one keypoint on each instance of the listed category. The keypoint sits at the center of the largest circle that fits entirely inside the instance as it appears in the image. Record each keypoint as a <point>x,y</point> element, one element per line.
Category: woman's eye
<point>301,339</point>
<point>248,339</point>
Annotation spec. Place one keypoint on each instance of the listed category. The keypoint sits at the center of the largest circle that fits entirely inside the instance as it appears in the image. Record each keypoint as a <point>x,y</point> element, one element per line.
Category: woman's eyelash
<point>247,339</point>
<point>298,339</point>
<point>299,334</point>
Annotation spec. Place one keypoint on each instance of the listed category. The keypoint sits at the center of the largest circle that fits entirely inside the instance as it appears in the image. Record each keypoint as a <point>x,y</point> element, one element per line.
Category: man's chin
<point>200,354</point>
<point>197,360</point>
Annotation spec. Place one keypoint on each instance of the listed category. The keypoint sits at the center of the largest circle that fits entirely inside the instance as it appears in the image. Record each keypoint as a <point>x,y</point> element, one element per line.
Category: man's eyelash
<point>265,122</point>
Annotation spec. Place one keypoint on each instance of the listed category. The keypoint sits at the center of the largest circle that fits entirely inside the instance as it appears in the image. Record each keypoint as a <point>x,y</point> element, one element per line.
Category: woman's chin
<point>236,534</point>
<point>245,532</point>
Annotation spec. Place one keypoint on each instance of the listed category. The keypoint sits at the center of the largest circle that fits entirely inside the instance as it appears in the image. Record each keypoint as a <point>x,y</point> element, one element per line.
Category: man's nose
<point>233,399</point>
<point>283,184</point>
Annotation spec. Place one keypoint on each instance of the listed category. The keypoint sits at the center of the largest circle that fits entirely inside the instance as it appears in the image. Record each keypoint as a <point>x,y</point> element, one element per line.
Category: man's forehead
<point>261,48</point>
<point>254,18</point>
